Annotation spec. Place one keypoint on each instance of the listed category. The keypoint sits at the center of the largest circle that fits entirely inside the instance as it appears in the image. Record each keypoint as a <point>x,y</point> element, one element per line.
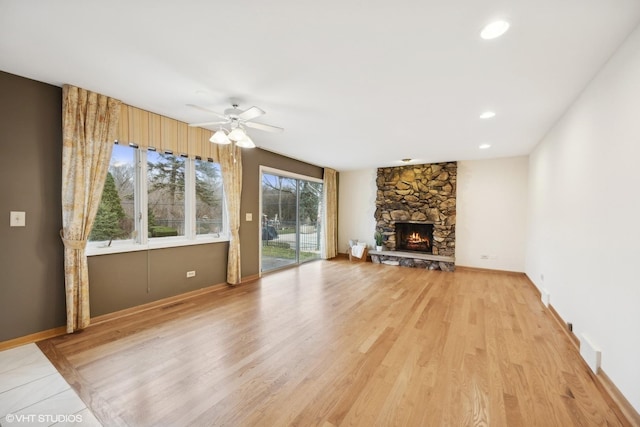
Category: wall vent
<point>590,353</point>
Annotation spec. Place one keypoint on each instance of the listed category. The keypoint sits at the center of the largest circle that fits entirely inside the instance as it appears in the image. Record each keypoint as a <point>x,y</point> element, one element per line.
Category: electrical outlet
<point>570,326</point>
<point>191,273</point>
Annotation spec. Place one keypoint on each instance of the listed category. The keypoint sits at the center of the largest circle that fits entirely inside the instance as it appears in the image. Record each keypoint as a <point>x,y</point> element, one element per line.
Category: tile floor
<point>33,393</point>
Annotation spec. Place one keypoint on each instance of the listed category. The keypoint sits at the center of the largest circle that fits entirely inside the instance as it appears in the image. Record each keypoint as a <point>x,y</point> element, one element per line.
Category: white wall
<point>584,228</point>
<point>491,213</point>
<point>356,207</point>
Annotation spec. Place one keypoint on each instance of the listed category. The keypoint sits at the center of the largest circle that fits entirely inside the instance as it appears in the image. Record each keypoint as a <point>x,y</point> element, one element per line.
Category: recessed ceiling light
<point>494,29</point>
<point>487,115</point>
<point>484,146</point>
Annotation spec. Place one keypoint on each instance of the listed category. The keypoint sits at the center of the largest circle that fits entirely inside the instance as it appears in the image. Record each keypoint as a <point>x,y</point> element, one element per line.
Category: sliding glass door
<point>291,209</point>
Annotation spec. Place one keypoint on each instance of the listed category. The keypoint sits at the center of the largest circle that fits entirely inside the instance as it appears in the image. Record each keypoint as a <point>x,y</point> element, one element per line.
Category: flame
<point>417,238</point>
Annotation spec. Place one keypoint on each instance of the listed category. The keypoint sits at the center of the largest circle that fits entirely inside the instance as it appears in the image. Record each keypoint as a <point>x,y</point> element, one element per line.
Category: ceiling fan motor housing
<point>233,112</point>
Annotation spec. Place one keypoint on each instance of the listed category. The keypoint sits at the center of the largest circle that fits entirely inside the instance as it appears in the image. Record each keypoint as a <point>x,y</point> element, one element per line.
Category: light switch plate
<point>18,219</point>
<point>248,216</point>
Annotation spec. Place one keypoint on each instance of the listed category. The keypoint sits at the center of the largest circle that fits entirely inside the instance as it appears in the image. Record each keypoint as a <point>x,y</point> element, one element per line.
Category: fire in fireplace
<point>414,236</point>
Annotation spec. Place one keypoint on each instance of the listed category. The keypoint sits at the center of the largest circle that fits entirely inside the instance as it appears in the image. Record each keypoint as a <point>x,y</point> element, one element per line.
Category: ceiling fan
<point>236,119</point>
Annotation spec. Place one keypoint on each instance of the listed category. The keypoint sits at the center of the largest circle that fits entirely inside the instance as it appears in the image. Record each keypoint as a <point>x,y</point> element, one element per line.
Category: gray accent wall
<point>32,297</point>
<point>251,187</point>
<point>129,279</point>
<point>31,258</point>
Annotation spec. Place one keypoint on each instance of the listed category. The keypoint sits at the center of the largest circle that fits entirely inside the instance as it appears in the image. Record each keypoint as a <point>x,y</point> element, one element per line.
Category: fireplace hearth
<point>416,236</point>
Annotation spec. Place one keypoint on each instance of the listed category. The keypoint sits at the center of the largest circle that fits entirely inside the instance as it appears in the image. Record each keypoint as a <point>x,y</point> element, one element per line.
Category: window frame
<point>298,177</point>
<point>141,241</point>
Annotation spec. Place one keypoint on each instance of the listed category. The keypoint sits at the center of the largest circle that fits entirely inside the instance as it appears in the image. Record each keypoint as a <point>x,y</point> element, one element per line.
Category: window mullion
<point>141,197</point>
<point>190,200</point>
<point>298,221</point>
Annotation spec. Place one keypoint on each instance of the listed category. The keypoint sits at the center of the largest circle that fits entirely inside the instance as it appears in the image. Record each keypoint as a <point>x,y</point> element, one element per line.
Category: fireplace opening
<point>414,236</point>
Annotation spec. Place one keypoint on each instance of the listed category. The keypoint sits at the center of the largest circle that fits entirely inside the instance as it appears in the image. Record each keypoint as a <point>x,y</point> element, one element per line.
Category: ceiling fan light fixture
<point>494,30</point>
<point>220,137</point>
<point>245,142</point>
<point>237,134</point>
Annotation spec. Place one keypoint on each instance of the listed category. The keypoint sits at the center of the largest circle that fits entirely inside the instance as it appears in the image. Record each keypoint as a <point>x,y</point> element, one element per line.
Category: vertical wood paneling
<point>147,129</point>
<point>139,127</point>
<point>155,130</point>
<point>123,125</point>
<point>183,136</point>
<point>169,137</point>
<point>208,149</point>
<point>193,141</point>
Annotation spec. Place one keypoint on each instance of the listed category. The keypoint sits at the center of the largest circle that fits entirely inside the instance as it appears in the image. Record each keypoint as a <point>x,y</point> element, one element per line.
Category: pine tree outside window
<point>166,194</point>
<point>114,220</point>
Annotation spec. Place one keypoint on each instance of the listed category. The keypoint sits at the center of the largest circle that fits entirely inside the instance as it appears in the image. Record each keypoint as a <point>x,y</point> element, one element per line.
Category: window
<point>165,194</point>
<point>174,199</point>
<point>115,217</point>
<point>209,198</point>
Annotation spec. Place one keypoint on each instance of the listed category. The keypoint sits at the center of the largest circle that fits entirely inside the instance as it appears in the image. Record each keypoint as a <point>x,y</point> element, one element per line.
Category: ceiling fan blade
<point>262,126</point>
<point>222,116</point>
<point>250,114</point>
<point>196,125</point>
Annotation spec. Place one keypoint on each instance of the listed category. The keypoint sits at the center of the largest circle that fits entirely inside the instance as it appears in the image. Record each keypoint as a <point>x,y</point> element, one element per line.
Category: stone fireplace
<point>422,197</point>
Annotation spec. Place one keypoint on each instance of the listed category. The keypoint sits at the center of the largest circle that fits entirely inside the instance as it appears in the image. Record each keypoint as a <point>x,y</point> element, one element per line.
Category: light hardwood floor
<point>337,343</point>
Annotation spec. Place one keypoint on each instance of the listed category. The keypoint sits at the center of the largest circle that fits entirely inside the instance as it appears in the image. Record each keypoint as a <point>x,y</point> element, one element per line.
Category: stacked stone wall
<point>419,193</point>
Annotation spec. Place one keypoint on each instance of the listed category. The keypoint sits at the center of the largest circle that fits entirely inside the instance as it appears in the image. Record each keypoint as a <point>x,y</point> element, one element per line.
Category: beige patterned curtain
<point>330,201</point>
<point>89,122</point>
<point>230,160</point>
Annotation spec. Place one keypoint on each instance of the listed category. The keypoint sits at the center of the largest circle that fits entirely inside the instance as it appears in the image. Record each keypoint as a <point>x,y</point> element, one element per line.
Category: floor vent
<point>590,353</point>
<point>545,296</point>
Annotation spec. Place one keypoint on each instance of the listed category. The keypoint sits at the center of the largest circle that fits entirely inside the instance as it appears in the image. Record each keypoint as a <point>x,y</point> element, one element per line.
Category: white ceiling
<point>355,84</point>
